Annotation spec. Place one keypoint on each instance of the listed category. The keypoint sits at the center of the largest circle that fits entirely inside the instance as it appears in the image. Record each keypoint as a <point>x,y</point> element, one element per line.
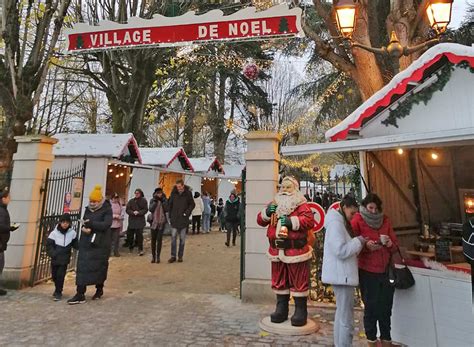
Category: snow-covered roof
<point>340,170</point>
<point>96,145</point>
<point>165,156</point>
<point>205,164</point>
<point>399,85</point>
<point>233,171</point>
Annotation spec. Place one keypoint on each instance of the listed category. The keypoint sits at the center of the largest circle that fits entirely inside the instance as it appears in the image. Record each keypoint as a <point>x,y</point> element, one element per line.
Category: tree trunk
<point>367,74</point>
<point>14,126</point>
<point>188,135</point>
<point>217,114</point>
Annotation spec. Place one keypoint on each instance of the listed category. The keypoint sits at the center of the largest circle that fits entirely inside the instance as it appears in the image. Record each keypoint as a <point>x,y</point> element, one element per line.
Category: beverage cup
<point>384,239</point>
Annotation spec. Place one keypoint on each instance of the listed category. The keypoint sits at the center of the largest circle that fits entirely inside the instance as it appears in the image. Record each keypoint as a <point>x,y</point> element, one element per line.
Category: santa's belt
<point>288,244</point>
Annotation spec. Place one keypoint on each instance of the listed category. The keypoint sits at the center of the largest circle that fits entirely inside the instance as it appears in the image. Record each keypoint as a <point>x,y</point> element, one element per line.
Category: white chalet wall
<point>438,114</point>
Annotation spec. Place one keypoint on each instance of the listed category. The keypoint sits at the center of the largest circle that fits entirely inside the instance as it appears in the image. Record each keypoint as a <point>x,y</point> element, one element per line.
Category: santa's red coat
<point>302,221</point>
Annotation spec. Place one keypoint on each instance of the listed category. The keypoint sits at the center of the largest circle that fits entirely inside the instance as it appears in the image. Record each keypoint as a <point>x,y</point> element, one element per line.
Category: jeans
<point>136,234</point>
<point>206,222</point>
<point>377,295</point>
<point>58,273</point>
<point>182,241</point>
<point>115,240</point>
<point>232,228</point>
<point>196,224</point>
<point>156,242</point>
<point>344,319</point>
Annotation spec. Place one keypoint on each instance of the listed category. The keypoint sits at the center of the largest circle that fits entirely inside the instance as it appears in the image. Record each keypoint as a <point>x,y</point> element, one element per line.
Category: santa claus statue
<point>289,220</point>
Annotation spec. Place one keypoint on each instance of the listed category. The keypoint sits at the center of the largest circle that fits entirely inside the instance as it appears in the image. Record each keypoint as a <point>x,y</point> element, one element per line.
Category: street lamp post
<point>438,13</point>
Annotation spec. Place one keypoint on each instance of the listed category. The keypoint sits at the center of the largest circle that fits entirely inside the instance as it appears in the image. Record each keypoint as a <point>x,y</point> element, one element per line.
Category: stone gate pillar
<point>262,163</point>
<point>33,157</point>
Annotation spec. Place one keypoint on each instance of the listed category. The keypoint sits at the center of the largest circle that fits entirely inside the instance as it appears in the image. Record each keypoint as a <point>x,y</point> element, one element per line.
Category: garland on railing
<point>403,109</point>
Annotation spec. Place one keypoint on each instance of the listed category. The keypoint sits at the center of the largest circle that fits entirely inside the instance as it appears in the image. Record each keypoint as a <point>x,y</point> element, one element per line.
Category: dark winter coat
<point>468,242</point>
<point>154,203</point>
<point>93,259</point>
<point>152,207</point>
<point>180,207</point>
<point>5,227</point>
<point>232,211</point>
<point>59,245</point>
<point>140,205</point>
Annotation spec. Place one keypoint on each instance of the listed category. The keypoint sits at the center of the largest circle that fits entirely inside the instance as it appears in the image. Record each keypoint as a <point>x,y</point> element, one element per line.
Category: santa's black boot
<point>281,313</point>
<point>301,311</point>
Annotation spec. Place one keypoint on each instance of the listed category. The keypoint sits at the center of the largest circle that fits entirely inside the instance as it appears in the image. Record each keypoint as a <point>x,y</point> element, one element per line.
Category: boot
<point>98,294</point>
<point>371,343</point>
<point>386,343</point>
<point>301,312</point>
<point>281,312</point>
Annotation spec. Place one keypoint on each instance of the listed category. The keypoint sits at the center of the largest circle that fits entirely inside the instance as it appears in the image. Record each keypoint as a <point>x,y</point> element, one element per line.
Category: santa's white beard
<point>287,203</point>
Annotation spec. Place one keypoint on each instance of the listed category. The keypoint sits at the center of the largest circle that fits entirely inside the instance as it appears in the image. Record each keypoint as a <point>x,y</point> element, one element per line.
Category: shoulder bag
<point>400,278</point>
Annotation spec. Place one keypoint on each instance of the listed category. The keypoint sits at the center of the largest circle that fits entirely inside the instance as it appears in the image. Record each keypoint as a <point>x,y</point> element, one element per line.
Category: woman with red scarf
<point>377,293</point>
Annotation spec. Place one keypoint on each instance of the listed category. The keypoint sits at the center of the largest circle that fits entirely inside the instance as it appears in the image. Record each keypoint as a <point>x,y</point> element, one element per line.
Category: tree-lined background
<point>197,97</point>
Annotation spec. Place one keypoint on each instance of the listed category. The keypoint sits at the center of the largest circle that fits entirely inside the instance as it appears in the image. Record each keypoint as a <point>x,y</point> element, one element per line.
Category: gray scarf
<point>373,220</point>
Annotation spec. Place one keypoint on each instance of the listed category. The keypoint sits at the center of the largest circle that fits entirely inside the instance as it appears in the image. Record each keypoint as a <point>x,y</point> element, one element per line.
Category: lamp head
<point>439,14</point>
<point>345,16</point>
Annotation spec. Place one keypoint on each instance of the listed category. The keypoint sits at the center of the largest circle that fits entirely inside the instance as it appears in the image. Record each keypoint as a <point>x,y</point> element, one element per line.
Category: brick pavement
<point>151,305</point>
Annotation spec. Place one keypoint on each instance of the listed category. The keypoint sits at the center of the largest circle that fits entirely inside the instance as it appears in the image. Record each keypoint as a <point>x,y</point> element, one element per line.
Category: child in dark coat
<point>59,247</point>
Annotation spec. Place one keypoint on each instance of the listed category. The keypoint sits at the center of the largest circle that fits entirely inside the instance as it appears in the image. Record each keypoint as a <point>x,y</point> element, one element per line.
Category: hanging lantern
<point>345,16</point>
<point>251,71</point>
<point>439,14</point>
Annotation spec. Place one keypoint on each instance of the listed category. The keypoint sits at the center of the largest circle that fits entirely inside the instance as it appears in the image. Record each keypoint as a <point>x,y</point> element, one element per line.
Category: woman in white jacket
<point>340,267</point>
<point>197,212</point>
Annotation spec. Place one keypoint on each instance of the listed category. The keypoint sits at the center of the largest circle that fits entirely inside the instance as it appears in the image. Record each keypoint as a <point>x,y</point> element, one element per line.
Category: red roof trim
<point>216,161</point>
<point>400,89</point>
<point>181,152</point>
<point>133,141</point>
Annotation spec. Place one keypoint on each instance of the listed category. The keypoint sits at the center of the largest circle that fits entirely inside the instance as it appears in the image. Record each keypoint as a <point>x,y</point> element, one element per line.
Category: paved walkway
<point>194,303</point>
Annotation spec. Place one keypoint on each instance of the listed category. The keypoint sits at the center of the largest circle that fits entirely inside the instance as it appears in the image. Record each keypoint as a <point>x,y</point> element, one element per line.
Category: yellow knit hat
<point>96,194</point>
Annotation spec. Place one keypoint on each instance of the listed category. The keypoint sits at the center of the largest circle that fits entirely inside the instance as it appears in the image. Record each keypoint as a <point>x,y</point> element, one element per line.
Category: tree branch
<point>326,51</point>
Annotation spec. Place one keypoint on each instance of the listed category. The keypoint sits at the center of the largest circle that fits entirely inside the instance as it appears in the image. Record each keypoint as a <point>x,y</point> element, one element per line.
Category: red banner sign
<point>278,21</point>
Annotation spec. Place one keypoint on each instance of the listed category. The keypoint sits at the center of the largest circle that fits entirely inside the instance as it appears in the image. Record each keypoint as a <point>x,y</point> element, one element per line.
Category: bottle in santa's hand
<point>283,234</point>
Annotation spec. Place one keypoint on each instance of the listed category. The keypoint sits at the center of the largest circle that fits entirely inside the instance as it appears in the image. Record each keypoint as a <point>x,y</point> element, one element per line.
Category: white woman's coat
<point>340,252</point>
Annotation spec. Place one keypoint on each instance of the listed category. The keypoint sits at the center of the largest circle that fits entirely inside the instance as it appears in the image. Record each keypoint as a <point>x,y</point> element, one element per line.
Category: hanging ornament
<point>251,71</point>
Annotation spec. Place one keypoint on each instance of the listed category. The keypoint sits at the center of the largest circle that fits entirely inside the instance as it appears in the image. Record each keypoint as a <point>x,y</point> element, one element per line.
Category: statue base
<point>286,328</point>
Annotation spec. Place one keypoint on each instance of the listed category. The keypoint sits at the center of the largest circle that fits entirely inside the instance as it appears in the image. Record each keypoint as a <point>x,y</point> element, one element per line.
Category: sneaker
<point>180,260</point>
<point>3,292</point>
<point>171,260</point>
<point>77,299</point>
<point>227,244</point>
<point>57,296</point>
<point>141,253</point>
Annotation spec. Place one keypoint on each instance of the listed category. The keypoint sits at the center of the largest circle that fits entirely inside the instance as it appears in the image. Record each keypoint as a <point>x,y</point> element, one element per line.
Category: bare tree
<point>30,32</point>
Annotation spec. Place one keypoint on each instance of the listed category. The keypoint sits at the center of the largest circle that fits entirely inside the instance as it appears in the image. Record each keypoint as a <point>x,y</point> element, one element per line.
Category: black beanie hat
<point>65,218</point>
<point>158,190</point>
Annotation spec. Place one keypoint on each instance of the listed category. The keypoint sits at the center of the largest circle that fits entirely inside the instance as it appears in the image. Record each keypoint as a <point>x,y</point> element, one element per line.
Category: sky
<point>459,12</point>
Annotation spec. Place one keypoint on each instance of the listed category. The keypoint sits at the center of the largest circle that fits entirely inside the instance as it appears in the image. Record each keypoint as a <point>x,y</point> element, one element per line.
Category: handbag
<point>400,278</point>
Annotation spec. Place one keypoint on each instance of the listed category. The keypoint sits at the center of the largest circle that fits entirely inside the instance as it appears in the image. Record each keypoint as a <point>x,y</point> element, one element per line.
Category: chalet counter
<point>437,311</point>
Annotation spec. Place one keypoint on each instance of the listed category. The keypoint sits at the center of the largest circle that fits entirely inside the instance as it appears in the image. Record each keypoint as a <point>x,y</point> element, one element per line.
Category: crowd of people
<point>102,226</point>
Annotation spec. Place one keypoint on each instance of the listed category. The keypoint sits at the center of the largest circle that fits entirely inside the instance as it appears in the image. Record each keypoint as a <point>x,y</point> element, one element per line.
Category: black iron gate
<point>242,228</point>
<point>62,192</point>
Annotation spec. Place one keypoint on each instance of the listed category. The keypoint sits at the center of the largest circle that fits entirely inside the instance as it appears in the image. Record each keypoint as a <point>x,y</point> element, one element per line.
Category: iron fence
<point>55,202</point>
